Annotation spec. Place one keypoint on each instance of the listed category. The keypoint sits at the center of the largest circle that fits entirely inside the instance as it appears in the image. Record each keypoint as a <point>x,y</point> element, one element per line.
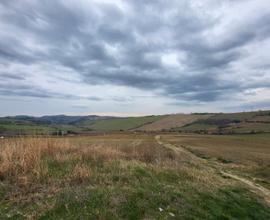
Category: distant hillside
<point>55,124</point>
<point>172,121</point>
<point>226,123</point>
<point>214,123</point>
<point>54,119</point>
<point>117,124</point>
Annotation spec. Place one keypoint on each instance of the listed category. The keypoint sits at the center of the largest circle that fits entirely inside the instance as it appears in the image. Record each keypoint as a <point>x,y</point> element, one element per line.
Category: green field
<point>26,129</point>
<point>22,129</point>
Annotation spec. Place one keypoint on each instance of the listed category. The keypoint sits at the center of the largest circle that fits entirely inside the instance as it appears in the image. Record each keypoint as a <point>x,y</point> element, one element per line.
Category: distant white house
<point>1,137</point>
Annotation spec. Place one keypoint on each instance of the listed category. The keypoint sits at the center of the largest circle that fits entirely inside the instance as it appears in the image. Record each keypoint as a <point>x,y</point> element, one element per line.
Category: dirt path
<point>254,187</point>
<point>180,150</point>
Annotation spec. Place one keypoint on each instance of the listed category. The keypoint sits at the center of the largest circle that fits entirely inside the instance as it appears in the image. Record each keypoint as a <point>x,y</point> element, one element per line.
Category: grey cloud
<point>202,88</point>
<point>14,52</point>
<point>251,106</point>
<point>26,90</point>
<point>137,37</point>
<point>80,107</point>
<point>14,76</point>
<point>257,29</point>
<point>36,93</point>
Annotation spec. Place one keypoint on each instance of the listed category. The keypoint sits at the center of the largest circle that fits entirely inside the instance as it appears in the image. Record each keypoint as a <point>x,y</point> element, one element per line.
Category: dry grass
<point>26,161</point>
<point>22,159</point>
<point>80,174</point>
<point>120,173</point>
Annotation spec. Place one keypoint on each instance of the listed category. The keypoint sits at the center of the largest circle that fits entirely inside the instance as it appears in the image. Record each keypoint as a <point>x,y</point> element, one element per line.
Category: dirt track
<point>256,188</point>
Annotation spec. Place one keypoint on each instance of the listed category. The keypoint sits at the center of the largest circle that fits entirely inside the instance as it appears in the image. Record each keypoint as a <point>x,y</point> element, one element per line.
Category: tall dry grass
<point>80,173</point>
<point>22,159</point>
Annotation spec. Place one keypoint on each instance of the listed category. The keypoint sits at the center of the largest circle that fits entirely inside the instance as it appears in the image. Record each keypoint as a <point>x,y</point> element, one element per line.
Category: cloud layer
<point>171,55</point>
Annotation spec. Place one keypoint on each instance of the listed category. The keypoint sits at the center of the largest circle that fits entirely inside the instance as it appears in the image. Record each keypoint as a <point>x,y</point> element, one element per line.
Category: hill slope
<point>211,123</point>
<point>117,124</point>
<point>243,122</point>
<point>172,121</point>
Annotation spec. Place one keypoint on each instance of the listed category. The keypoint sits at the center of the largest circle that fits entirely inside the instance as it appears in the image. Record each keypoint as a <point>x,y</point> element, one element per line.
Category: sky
<point>133,57</point>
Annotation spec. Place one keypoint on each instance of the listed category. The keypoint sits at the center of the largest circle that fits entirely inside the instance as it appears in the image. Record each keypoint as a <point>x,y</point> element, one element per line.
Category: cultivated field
<point>172,121</point>
<point>117,124</point>
<point>133,176</point>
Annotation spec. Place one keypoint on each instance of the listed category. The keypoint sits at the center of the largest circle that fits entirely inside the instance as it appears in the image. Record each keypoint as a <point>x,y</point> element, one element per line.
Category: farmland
<point>129,123</point>
<point>204,123</point>
<point>134,176</point>
<point>172,121</point>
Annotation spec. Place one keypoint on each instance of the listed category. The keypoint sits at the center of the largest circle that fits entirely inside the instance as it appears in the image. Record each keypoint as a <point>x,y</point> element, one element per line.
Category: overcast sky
<point>133,57</point>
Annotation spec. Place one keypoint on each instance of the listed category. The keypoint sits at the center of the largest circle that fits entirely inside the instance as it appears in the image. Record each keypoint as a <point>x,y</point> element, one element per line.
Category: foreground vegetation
<point>116,177</point>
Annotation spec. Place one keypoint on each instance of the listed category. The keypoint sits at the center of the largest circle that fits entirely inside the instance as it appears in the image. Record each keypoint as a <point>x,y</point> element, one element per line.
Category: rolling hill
<point>172,121</point>
<point>230,123</point>
<point>117,124</point>
<point>210,123</point>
